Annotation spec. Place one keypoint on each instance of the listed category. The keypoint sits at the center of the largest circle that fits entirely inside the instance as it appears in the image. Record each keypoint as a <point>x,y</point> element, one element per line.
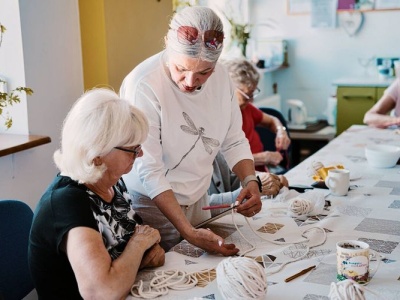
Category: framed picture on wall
<point>387,4</point>
<point>304,6</point>
<point>298,6</point>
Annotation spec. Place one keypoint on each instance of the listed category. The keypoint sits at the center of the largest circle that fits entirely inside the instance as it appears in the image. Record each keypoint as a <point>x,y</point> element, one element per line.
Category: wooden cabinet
<point>354,99</point>
<point>352,104</point>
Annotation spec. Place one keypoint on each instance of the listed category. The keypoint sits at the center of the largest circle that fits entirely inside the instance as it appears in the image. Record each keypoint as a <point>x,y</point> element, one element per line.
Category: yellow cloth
<point>322,173</point>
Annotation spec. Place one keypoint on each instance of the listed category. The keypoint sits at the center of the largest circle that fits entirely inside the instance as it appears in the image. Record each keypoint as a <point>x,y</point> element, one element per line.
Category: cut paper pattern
<point>356,159</point>
<point>395,204</point>
<point>240,243</point>
<point>271,228</point>
<point>354,211</point>
<point>380,245</point>
<point>188,249</point>
<point>205,277</point>
<point>324,274</point>
<point>259,259</point>
<point>315,297</point>
<point>318,253</point>
<point>268,260</point>
<point>189,262</point>
<point>295,251</point>
<point>379,226</point>
<point>394,185</point>
<point>223,230</point>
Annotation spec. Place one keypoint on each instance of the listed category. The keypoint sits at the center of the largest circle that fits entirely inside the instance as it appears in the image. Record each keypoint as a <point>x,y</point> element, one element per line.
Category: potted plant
<point>240,33</point>
<point>9,98</point>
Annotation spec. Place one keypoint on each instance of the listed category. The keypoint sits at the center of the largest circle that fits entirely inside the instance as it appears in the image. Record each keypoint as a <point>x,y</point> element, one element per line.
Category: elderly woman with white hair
<point>193,113</point>
<point>86,240</point>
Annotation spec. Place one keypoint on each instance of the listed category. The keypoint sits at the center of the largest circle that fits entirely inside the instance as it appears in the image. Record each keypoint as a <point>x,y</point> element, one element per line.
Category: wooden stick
<point>218,206</point>
<point>302,272</point>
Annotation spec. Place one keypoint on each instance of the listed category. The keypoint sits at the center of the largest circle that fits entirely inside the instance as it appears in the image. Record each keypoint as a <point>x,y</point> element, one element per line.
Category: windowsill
<point>12,143</point>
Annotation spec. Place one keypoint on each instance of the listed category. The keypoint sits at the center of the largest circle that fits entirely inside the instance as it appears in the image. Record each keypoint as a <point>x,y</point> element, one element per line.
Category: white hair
<point>242,72</point>
<point>97,122</point>
<point>202,18</point>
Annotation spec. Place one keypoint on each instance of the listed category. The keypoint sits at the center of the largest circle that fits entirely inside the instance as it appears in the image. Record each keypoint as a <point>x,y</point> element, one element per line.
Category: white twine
<point>162,281</point>
<point>281,266</point>
<point>349,290</point>
<point>241,278</point>
<point>180,280</point>
<point>299,207</point>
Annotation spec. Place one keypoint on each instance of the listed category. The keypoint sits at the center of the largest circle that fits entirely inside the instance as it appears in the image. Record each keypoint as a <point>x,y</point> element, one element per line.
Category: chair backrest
<point>268,138</point>
<point>15,224</point>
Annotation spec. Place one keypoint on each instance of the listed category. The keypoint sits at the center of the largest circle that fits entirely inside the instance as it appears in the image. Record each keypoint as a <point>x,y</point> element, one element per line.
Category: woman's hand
<point>271,183</point>
<point>210,242</point>
<point>145,236</point>
<point>267,158</point>
<point>273,158</point>
<point>153,257</point>
<point>249,200</point>
<point>282,141</point>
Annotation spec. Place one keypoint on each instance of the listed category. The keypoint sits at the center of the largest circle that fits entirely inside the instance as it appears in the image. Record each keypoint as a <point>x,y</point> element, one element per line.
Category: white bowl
<point>382,156</point>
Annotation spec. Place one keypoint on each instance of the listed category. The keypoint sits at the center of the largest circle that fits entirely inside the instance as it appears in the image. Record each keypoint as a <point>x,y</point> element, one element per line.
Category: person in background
<point>225,185</point>
<point>86,241</point>
<point>190,102</point>
<point>246,77</point>
<point>378,115</point>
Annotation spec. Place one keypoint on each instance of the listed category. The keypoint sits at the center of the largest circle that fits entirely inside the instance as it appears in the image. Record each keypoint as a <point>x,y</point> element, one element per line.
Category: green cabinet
<point>353,103</point>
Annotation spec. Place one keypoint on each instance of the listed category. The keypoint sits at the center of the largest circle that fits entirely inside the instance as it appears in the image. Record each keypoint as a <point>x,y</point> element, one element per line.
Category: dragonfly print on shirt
<point>192,129</point>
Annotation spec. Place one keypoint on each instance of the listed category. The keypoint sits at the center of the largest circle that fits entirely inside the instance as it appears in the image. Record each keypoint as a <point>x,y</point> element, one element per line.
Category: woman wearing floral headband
<point>190,102</point>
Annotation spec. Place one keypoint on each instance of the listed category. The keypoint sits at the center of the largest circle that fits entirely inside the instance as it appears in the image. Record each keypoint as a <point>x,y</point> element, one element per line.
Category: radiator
<point>273,101</point>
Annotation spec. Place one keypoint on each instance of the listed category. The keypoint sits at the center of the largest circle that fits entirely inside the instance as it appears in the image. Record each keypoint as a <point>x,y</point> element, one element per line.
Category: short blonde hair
<point>97,122</point>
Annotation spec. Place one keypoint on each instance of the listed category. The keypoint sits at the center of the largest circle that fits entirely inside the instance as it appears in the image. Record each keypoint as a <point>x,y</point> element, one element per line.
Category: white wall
<point>12,65</point>
<point>52,67</point>
<point>317,57</point>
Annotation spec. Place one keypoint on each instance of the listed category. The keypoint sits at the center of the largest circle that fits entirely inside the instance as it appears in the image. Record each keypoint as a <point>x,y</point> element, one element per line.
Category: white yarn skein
<point>241,278</point>
<point>300,207</point>
<point>348,290</point>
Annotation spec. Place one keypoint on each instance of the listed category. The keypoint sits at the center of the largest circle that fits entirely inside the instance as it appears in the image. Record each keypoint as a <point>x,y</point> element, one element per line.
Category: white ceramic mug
<point>338,181</point>
<point>353,261</point>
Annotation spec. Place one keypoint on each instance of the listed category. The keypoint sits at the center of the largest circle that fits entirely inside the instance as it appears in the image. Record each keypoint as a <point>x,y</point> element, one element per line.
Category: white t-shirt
<point>186,131</point>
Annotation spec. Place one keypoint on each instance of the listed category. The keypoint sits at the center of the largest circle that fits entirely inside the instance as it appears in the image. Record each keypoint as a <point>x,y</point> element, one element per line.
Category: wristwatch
<point>249,178</point>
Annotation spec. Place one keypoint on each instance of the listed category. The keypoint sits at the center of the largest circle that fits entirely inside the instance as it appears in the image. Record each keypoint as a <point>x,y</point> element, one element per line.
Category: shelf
<point>12,143</point>
<point>272,69</point>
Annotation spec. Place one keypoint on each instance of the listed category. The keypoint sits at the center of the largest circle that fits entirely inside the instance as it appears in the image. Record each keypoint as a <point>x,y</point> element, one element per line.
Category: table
<point>370,212</point>
<point>12,143</point>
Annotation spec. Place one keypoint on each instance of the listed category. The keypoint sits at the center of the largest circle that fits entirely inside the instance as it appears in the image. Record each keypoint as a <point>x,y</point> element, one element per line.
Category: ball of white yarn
<point>347,290</point>
<point>241,278</point>
<point>299,207</point>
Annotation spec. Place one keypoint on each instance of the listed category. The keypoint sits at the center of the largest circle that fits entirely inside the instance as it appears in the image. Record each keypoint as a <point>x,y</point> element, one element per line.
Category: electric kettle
<point>297,113</point>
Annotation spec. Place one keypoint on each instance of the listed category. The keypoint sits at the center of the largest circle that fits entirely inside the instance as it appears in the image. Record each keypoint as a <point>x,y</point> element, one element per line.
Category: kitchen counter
<point>363,81</point>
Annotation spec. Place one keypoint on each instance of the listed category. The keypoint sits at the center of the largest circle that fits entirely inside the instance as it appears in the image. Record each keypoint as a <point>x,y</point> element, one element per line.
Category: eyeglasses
<point>212,39</point>
<point>135,151</point>
<point>256,92</point>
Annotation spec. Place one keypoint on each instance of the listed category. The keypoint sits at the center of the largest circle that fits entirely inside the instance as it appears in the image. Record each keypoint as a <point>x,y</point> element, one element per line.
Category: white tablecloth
<point>370,212</point>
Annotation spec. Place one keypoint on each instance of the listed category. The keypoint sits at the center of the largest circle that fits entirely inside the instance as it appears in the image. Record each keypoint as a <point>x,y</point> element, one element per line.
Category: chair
<point>15,224</point>
<point>268,140</point>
